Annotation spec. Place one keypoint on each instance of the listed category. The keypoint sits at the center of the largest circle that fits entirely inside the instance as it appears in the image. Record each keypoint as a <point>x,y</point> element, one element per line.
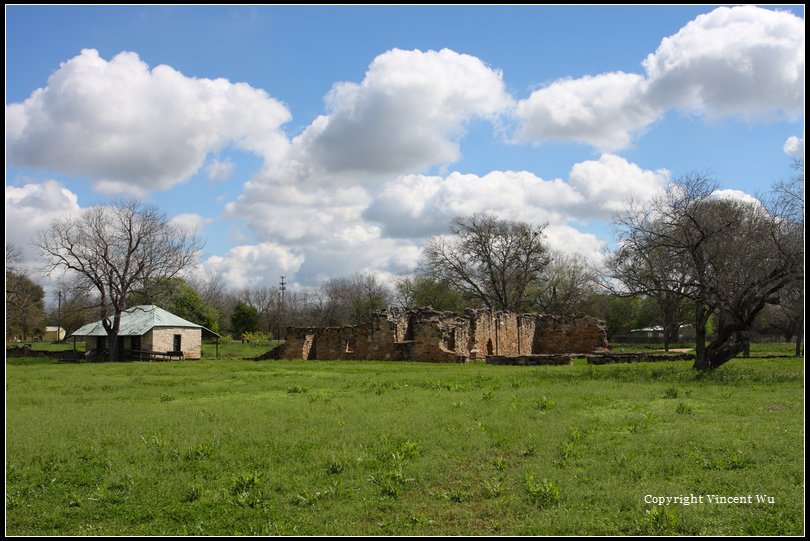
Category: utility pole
<point>59,315</point>
<point>281,289</point>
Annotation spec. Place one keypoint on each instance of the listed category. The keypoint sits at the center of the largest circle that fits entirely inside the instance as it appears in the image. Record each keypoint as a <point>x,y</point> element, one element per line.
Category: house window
<point>177,343</point>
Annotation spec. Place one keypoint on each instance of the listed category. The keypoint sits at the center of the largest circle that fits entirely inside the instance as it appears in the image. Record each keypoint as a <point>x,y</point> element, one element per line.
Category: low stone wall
<point>620,358</point>
<point>531,360</point>
<point>26,351</point>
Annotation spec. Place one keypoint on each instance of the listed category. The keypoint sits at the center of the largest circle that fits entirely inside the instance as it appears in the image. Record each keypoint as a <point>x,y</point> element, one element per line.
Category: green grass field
<point>296,447</point>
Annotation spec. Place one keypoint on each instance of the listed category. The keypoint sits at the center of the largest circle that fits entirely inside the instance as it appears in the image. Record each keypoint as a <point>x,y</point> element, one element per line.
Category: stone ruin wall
<point>440,337</point>
<point>558,334</point>
<point>428,335</point>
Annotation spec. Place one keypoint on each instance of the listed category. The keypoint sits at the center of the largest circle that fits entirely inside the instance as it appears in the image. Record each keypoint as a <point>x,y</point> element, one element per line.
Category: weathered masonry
<point>427,335</point>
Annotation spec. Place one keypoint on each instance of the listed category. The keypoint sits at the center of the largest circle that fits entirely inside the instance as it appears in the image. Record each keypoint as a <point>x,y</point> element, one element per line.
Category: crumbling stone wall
<point>326,343</point>
<point>510,334</point>
<point>428,335</point>
<point>440,337</point>
<point>558,334</point>
<point>500,333</point>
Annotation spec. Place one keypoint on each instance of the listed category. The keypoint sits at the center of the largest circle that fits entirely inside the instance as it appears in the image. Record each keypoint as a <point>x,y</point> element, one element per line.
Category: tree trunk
<point>721,349</point>
<point>113,347</point>
<point>746,342</point>
<point>112,338</point>
<point>666,331</point>
<point>799,337</point>
<point>717,355</point>
<point>700,336</point>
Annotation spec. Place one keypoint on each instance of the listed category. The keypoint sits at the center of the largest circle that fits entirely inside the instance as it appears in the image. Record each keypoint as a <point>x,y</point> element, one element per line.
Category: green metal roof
<point>138,320</point>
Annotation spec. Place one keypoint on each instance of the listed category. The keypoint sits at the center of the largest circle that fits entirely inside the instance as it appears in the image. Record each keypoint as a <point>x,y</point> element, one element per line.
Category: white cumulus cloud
<point>414,206</point>
<point>31,208</point>
<point>220,170</point>
<point>603,111</point>
<point>742,61</point>
<point>250,266</point>
<point>609,183</point>
<point>419,205</point>
<point>131,129</point>
<point>406,115</point>
<point>293,213</point>
<point>736,195</point>
<point>569,240</point>
<point>794,146</point>
<point>190,221</point>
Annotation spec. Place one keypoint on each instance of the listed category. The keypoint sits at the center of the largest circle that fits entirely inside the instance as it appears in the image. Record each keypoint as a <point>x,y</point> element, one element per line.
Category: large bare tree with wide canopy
<point>729,256</point>
<point>115,250</point>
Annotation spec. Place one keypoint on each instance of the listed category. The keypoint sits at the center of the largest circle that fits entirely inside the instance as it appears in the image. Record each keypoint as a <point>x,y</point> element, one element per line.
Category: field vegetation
<point>227,447</point>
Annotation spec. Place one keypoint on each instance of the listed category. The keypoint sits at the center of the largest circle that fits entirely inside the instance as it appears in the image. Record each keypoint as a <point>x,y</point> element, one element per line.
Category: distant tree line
<point>25,300</point>
<point>729,266</point>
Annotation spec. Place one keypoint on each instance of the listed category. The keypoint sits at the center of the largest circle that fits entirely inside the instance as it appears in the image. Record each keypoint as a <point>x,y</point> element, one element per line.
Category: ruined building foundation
<point>428,335</point>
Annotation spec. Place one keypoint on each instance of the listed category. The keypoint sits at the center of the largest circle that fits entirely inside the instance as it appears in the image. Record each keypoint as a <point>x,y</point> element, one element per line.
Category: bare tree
<point>788,200</point>
<point>787,204</point>
<point>353,300</point>
<point>425,291</point>
<point>655,273</point>
<point>566,287</point>
<point>490,261</point>
<point>264,299</point>
<point>76,305</point>
<point>13,257</point>
<point>322,312</point>
<point>210,286</point>
<point>25,306</point>
<point>115,250</point>
<point>729,257</point>
<point>25,299</point>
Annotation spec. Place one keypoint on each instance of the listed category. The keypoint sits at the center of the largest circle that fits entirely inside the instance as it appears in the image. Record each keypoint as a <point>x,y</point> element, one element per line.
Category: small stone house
<point>148,328</point>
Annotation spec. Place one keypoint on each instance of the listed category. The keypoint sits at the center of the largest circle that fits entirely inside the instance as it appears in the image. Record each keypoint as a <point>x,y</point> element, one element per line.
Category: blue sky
<point>318,141</point>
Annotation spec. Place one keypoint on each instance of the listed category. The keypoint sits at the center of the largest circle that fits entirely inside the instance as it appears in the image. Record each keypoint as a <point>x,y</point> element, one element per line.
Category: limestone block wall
<point>440,337</point>
<point>298,343</point>
<point>559,334</point>
<point>386,329</point>
<point>500,333</point>
<point>326,343</point>
<point>348,342</point>
<point>429,335</point>
<point>483,337</point>
<point>162,339</point>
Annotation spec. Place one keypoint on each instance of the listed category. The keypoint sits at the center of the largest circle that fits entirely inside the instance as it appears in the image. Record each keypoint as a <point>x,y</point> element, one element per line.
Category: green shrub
<point>543,494</point>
